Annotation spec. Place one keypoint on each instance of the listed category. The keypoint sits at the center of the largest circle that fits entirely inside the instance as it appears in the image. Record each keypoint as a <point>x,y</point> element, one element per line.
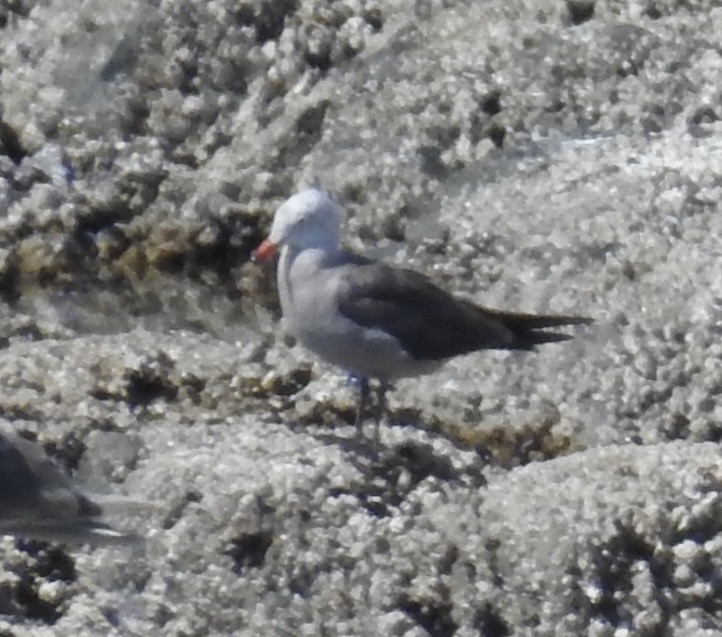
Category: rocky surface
<point>543,156</point>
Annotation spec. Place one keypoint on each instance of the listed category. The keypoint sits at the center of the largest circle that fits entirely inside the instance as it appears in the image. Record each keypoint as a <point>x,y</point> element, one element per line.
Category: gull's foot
<point>355,381</point>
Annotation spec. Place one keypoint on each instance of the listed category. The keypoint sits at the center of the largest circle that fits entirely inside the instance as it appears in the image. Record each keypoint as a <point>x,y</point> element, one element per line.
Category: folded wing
<point>430,323</point>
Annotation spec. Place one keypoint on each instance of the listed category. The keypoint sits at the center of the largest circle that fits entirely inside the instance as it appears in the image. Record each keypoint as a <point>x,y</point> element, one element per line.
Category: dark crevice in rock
<point>491,103</point>
<point>10,143</point>
<point>267,18</point>
<point>580,11</point>
<point>307,133</point>
<point>249,550</point>
<point>48,563</point>
<point>176,511</point>
<point>144,386</point>
<point>497,134</point>
<point>10,279</point>
<point>395,474</point>
<point>68,451</point>
<point>434,618</point>
<point>489,622</point>
<point>374,18</point>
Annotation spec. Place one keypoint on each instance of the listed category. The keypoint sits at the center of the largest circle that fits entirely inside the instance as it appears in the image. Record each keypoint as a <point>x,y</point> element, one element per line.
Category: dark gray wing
<point>430,323</point>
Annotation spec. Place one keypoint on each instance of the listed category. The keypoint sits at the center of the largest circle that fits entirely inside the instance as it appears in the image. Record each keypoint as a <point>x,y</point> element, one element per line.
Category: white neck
<point>326,241</point>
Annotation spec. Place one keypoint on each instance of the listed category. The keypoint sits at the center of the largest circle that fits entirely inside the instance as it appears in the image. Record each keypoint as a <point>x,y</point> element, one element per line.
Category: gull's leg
<point>364,391</point>
<point>380,412</point>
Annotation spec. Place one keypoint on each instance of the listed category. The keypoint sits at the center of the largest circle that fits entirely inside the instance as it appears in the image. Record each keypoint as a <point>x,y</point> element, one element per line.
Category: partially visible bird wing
<point>37,499</point>
<point>430,323</point>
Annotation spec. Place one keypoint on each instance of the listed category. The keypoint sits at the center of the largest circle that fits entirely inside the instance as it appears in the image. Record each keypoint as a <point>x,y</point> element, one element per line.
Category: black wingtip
<point>541,321</point>
<point>576,320</point>
<point>540,338</point>
<point>530,330</point>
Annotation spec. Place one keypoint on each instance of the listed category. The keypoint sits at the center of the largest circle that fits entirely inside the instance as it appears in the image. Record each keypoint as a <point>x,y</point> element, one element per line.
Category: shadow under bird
<point>375,320</point>
<point>38,501</point>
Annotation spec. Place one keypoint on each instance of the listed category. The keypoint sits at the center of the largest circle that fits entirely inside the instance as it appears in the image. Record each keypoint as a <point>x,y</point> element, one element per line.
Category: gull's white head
<point>310,219</point>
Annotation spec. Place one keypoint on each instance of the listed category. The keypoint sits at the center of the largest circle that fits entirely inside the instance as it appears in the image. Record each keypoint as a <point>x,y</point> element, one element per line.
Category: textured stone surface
<point>544,156</point>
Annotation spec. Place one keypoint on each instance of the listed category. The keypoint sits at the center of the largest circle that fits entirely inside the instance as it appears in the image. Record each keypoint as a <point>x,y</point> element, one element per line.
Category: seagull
<point>372,319</point>
<point>38,501</point>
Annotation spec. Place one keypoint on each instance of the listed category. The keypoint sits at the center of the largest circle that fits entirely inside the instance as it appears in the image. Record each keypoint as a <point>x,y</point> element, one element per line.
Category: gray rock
<point>530,155</point>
